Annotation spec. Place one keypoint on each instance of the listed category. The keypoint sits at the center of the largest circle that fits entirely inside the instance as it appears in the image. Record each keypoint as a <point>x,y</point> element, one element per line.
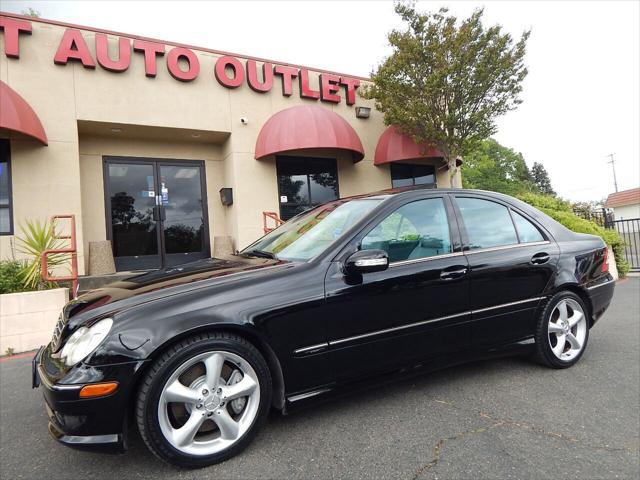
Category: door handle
<point>452,273</point>
<point>540,258</point>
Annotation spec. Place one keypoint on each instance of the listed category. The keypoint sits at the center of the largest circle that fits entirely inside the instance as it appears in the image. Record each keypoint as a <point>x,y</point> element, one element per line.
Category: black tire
<point>544,354</point>
<point>153,383</point>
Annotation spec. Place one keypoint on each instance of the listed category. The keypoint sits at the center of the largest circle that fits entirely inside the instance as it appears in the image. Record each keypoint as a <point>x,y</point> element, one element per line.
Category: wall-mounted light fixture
<point>363,112</point>
<point>226,196</point>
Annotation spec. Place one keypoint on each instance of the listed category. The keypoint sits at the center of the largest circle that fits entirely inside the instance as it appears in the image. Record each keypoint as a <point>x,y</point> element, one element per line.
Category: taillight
<point>605,261</point>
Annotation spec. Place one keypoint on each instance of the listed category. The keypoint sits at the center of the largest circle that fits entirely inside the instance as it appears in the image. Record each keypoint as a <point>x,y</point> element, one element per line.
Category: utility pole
<point>613,166</point>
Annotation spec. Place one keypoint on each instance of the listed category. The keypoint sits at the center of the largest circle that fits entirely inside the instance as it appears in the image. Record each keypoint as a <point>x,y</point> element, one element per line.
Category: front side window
<point>408,175</point>
<point>6,221</point>
<point>309,234</point>
<point>488,224</point>
<point>527,231</point>
<point>416,230</point>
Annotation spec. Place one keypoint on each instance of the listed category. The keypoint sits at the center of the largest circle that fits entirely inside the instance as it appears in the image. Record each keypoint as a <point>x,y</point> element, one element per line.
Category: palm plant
<point>36,238</point>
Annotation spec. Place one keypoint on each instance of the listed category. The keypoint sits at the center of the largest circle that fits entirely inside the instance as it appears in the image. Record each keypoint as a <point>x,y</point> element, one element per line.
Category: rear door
<point>511,260</point>
<point>416,309</point>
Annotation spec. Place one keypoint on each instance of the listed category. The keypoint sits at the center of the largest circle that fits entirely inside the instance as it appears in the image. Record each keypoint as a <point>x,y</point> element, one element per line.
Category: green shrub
<point>10,281</point>
<point>36,238</point>
<point>560,210</point>
<point>541,201</point>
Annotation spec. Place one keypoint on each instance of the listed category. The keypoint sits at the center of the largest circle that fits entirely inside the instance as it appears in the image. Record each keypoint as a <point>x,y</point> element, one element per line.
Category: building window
<point>6,204</point>
<point>304,182</point>
<point>408,175</point>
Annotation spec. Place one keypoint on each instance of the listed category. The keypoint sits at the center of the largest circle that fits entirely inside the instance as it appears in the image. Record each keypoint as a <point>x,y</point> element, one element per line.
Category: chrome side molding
<point>322,346</point>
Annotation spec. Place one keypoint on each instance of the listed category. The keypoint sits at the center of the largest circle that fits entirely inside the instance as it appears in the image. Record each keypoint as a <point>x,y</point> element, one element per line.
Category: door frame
<point>156,163</point>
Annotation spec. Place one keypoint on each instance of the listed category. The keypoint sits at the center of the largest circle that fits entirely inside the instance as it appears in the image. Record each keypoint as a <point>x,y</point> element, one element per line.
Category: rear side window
<point>416,230</point>
<point>488,224</point>
<point>527,231</point>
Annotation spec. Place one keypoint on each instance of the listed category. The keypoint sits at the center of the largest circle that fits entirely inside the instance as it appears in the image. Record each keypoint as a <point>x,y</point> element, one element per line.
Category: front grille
<point>56,340</point>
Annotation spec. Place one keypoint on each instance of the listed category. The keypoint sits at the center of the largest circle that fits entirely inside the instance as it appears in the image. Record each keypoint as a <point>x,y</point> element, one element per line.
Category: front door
<point>305,182</point>
<point>156,212</point>
<point>415,310</point>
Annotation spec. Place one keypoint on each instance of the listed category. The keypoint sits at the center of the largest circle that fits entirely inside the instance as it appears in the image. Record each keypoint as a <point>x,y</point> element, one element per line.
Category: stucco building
<point>162,147</point>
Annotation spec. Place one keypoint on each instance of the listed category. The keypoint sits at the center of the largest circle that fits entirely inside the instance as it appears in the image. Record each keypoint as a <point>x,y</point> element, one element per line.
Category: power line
<point>613,166</point>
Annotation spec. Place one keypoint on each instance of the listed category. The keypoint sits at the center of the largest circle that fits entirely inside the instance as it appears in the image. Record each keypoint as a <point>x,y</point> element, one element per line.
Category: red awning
<point>394,146</point>
<point>18,116</point>
<point>304,127</point>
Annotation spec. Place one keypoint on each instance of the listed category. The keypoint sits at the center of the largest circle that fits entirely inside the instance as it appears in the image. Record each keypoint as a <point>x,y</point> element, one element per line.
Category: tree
<point>30,12</point>
<point>491,166</point>
<point>541,179</point>
<point>447,81</point>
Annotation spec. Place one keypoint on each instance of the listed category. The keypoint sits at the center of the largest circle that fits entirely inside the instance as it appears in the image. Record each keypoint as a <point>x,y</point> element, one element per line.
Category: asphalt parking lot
<point>506,418</point>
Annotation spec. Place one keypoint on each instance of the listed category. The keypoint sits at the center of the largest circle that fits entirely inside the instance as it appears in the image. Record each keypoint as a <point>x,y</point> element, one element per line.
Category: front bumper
<point>98,424</point>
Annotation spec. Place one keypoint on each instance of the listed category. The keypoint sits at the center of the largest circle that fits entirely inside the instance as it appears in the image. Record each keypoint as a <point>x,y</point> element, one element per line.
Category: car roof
<point>400,191</point>
<point>557,230</point>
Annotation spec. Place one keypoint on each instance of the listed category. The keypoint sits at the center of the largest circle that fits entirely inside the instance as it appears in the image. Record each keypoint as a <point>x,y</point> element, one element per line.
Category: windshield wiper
<point>261,254</point>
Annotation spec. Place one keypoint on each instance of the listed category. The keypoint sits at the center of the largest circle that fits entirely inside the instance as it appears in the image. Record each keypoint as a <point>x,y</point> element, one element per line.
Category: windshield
<point>305,236</point>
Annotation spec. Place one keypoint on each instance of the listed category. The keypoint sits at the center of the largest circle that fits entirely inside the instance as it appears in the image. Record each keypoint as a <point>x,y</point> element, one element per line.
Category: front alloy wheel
<point>204,399</point>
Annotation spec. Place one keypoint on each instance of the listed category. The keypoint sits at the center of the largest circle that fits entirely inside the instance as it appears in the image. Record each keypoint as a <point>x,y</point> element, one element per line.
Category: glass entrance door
<point>156,212</point>
<point>305,182</point>
<point>183,217</point>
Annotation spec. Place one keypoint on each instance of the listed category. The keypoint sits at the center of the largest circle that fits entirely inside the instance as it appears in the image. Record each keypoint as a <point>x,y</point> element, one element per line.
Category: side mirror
<point>367,261</point>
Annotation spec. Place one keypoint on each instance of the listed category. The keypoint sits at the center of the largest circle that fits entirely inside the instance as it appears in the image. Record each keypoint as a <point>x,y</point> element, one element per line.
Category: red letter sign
<point>305,90</point>
<point>174,69</point>
<point>288,74</point>
<point>102,54</point>
<point>12,29</point>
<point>252,76</point>
<point>73,47</point>
<point>329,86</point>
<point>151,50</point>
<point>221,72</point>
<point>350,86</point>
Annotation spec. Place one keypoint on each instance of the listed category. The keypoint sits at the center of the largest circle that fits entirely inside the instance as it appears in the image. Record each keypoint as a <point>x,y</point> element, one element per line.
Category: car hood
<point>160,283</point>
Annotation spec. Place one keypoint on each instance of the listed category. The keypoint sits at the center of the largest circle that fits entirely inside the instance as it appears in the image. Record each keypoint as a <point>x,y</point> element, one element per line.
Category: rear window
<point>488,224</point>
<point>527,231</point>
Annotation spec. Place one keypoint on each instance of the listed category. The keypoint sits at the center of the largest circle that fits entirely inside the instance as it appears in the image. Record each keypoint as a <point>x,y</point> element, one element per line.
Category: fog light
<point>98,389</point>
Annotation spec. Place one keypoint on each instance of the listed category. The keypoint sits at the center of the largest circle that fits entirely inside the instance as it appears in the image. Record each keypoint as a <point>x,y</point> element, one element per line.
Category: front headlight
<point>84,341</point>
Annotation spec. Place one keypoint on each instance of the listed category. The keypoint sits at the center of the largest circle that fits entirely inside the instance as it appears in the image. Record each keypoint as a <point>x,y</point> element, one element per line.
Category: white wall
<point>627,212</point>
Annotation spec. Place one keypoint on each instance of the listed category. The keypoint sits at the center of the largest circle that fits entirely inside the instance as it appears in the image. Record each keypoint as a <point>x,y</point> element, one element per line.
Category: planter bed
<point>27,319</point>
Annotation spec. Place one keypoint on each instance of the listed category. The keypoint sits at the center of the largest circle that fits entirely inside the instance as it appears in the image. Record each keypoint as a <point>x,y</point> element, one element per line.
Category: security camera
<point>244,120</point>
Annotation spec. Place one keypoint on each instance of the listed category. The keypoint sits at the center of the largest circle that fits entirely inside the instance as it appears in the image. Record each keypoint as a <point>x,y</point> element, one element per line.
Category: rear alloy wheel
<point>563,331</point>
<point>203,402</point>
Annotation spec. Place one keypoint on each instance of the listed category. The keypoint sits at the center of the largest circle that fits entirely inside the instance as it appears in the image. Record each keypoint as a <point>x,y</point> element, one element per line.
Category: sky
<point>581,99</point>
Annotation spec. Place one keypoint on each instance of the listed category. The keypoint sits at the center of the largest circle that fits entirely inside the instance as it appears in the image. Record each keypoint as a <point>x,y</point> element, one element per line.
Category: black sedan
<point>351,292</point>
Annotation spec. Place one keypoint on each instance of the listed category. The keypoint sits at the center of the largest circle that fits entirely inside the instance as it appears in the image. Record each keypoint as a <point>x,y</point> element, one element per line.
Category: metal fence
<point>601,217</point>
<point>629,230</point>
